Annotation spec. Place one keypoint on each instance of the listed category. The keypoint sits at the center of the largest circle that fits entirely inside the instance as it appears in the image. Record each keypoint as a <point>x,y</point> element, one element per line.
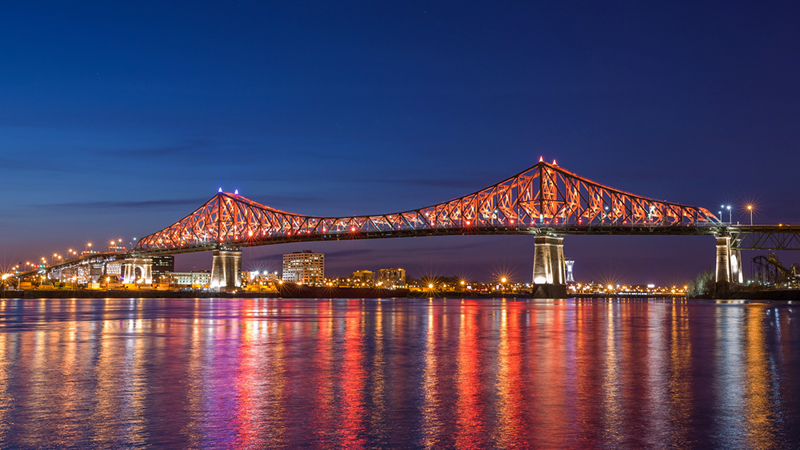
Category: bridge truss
<point>542,199</point>
<point>765,237</point>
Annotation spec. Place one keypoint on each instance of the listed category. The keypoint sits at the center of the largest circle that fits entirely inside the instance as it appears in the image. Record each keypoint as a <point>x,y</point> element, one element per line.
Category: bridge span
<point>545,201</point>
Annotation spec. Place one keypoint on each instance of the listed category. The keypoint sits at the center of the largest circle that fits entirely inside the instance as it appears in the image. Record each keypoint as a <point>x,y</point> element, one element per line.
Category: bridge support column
<point>226,269</point>
<point>549,278</point>
<point>145,266</point>
<point>729,265</point>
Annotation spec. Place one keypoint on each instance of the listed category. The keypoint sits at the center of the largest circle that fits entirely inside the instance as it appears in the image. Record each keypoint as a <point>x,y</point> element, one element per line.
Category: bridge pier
<point>729,265</point>
<point>145,266</point>
<point>226,270</point>
<point>549,278</point>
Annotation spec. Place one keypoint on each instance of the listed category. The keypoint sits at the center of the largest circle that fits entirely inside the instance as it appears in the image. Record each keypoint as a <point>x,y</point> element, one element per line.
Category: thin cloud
<point>147,204</point>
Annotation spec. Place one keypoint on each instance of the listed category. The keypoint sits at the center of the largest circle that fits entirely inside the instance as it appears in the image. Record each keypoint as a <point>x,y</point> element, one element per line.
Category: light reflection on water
<point>427,373</point>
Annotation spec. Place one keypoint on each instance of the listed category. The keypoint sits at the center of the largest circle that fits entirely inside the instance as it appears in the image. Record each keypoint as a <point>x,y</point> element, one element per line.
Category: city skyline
<point>117,121</point>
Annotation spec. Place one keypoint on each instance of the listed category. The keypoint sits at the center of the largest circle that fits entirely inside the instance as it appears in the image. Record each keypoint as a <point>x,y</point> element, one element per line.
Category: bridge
<point>545,201</point>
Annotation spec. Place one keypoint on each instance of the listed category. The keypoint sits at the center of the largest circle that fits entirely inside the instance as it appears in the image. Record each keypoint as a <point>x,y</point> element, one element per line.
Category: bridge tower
<point>226,269</point>
<point>729,264</point>
<point>549,278</point>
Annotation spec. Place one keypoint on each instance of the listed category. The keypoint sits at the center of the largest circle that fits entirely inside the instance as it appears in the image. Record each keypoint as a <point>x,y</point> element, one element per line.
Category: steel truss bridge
<point>545,200</point>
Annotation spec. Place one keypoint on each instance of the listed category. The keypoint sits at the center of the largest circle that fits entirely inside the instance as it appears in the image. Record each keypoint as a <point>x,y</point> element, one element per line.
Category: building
<point>198,278</point>
<point>362,278</point>
<point>260,277</point>
<point>115,269</point>
<point>392,278</point>
<point>304,267</point>
<point>162,265</point>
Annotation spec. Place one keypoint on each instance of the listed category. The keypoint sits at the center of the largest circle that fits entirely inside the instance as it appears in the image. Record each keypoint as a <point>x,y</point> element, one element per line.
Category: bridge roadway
<point>746,237</point>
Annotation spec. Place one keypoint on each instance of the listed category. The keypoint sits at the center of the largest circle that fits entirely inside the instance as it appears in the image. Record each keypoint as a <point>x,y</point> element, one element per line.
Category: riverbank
<point>90,293</point>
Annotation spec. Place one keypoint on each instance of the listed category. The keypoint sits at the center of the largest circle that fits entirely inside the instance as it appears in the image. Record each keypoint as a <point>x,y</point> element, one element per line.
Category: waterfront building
<point>160,266</point>
<point>304,267</point>
<point>257,277</point>
<point>362,278</point>
<point>115,268</point>
<point>197,278</point>
<point>392,278</point>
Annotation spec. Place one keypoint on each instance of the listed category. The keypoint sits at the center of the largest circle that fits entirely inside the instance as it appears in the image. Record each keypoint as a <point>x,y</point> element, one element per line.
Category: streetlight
<point>730,214</point>
<point>750,208</point>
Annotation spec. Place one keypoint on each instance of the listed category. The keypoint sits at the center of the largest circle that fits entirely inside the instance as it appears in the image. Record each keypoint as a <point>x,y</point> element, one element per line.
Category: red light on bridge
<point>468,223</point>
<point>353,229</point>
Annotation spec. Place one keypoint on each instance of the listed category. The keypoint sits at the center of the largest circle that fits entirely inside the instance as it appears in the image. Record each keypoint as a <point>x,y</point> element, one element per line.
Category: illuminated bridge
<point>545,201</point>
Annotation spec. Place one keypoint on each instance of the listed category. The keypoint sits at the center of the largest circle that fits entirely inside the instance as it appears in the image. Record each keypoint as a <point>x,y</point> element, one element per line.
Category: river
<point>399,373</point>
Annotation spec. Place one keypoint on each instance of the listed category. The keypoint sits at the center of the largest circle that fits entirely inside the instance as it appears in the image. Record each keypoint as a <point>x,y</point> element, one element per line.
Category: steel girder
<point>544,198</point>
<point>766,237</point>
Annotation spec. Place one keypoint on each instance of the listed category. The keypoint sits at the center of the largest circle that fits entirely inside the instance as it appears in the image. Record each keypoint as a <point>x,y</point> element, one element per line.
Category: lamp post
<point>730,215</point>
<point>750,208</point>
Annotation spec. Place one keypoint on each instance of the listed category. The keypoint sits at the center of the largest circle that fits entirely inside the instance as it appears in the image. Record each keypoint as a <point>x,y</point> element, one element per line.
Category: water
<point>405,373</point>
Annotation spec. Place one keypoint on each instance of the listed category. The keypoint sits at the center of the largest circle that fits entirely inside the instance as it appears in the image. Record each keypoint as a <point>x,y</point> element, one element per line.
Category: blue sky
<point>119,119</point>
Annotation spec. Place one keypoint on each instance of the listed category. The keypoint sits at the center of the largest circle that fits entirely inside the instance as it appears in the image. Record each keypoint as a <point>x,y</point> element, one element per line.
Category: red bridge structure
<point>545,200</point>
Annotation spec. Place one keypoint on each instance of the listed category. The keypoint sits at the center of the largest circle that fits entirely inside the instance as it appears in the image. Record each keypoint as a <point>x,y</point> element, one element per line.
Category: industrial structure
<point>768,271</point>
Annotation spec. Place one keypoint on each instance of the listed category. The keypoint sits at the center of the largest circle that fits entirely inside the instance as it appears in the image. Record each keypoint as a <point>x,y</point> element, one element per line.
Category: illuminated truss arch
<point>543,199</point>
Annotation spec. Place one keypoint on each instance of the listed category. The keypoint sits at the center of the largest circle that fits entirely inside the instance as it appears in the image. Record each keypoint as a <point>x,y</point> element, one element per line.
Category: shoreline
<point>785,295</point>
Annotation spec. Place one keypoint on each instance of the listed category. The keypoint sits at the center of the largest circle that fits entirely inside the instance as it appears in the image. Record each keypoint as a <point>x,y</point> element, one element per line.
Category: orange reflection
<point>759,414</point>
<point>680,380</point>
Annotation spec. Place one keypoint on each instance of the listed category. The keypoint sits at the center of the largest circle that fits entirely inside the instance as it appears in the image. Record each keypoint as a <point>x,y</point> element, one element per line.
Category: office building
<point>392,278</point>
<point>304,267</point>
<point>162,265</point>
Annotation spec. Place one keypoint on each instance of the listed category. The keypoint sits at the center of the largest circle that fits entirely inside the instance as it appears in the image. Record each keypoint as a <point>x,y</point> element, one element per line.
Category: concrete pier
<point>226,270</point>
<point>729,265</point>
<point>549,278</point>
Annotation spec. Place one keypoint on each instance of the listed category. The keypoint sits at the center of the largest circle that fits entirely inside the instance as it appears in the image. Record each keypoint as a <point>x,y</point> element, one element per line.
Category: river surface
<point>399,373</point>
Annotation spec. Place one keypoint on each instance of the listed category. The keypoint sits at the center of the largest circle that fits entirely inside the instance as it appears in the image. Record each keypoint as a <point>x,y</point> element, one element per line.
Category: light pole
<point>750,208</point>
<point>730,215</point>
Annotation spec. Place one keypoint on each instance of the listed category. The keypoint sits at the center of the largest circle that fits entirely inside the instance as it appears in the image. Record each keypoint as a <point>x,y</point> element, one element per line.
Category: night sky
<point>119,118</point>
